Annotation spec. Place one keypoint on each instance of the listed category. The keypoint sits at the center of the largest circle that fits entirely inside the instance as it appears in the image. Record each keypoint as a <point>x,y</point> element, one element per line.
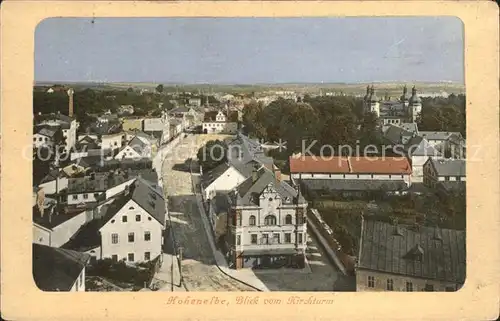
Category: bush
<point>121,272</point>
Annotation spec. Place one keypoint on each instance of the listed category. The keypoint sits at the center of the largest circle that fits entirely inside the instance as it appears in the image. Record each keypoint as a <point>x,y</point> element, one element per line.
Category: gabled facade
<point>129,228</point>
<point>220,122</point>
<point>266,224</point>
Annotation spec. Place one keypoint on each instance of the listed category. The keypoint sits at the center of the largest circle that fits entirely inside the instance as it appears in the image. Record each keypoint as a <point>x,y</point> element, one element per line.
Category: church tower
<point>165,136</point>
<point>404,98</point>
<point>374,102</point>
<point>415,105</point>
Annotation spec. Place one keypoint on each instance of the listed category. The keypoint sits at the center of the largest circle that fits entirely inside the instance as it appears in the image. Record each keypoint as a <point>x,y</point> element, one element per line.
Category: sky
<point>250,50</point>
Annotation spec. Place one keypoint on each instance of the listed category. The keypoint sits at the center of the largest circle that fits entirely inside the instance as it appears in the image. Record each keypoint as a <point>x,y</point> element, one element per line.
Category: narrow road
<point>198,268</point>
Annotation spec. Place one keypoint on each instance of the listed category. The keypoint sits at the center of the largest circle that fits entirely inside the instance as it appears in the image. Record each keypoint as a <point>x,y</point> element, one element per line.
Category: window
<point>276,238</point>
<point>312,175</point>
<point>254,238</point>
<point>429,288</point>
<point>390,285</point>
<point>265,239</point>
<point>40,139</point>
<point>270,220</point>
<point>446,178</point>
<point>300,238</point>
<point>137,218</point>
<point>131,257</point>
<point>147,256</point>
<point>75,197</point>
<point>288,219</point>
<point>371,281</point>
<point>34,139</point>
<point>288,238</point>
<point>131,237</point>
<point>114,238</point>
<point>409,287</point>
<point>238,239</point>
<point>85,196</point>
<point>114,257</point>
<point>252,220</point>
<point>147,236</point>
<point>124,219</point>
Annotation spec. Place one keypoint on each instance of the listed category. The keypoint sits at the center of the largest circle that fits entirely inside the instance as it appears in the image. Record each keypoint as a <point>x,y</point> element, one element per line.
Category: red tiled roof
<point>368,165</point>
<point>316,164</point>
<point>380,165</point>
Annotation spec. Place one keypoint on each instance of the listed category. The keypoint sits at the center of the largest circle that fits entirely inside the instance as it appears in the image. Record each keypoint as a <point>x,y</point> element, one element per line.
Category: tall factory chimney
<point>70,104</point>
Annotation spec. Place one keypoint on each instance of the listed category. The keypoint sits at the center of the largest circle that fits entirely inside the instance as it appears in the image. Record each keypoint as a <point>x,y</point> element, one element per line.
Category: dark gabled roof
<point>181,109</point>
<point>51,221</point>
<point>48,132</point>
<point>448,167</point>
<point>438,135</point>
<point>355,184</point>
<point>394,134</point>
<point>137,145</point>
<point>381,250</point>
<point>249,191</point>
<point>141,192</point>
<point>51,176</point>
<point>54,117</point>
<point>56,269</point>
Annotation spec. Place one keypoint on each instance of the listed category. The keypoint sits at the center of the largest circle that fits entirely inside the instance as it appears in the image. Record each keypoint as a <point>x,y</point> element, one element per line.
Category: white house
<point>113,141</point>
<point>130,228</point>
<point>419,150</point>
<point>135,149</point>
<point>266,223</point>
<point>220,122</point>
<point>226,177</point>
<point>56,269</point>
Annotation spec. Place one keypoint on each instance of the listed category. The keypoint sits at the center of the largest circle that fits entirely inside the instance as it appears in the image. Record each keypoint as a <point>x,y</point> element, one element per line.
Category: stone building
<point>395,257</point>
<point>266,225</point>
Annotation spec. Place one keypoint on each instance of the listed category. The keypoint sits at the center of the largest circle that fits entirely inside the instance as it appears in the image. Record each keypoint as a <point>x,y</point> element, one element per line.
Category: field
<point>391,88</point>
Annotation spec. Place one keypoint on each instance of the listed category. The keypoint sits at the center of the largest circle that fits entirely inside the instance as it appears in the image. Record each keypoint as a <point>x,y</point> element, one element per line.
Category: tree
<point>159,88</point>
<point>212,154</point>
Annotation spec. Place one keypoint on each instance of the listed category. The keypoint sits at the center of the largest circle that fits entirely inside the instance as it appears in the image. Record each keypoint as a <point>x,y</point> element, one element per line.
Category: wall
<point>91,197</point>
<point>399,282</point>
<point>214,127</point>
<point>40,140</point>
<point>60,234</point>
<point>41,235</point>
<point>131,124</point>
<point>111,141</point>
<point>128,153</point>
<point>118,189</point>
<point>79,285</point>
<point>50,187</point>
<point>139,246</point>
<point>325,236</point>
